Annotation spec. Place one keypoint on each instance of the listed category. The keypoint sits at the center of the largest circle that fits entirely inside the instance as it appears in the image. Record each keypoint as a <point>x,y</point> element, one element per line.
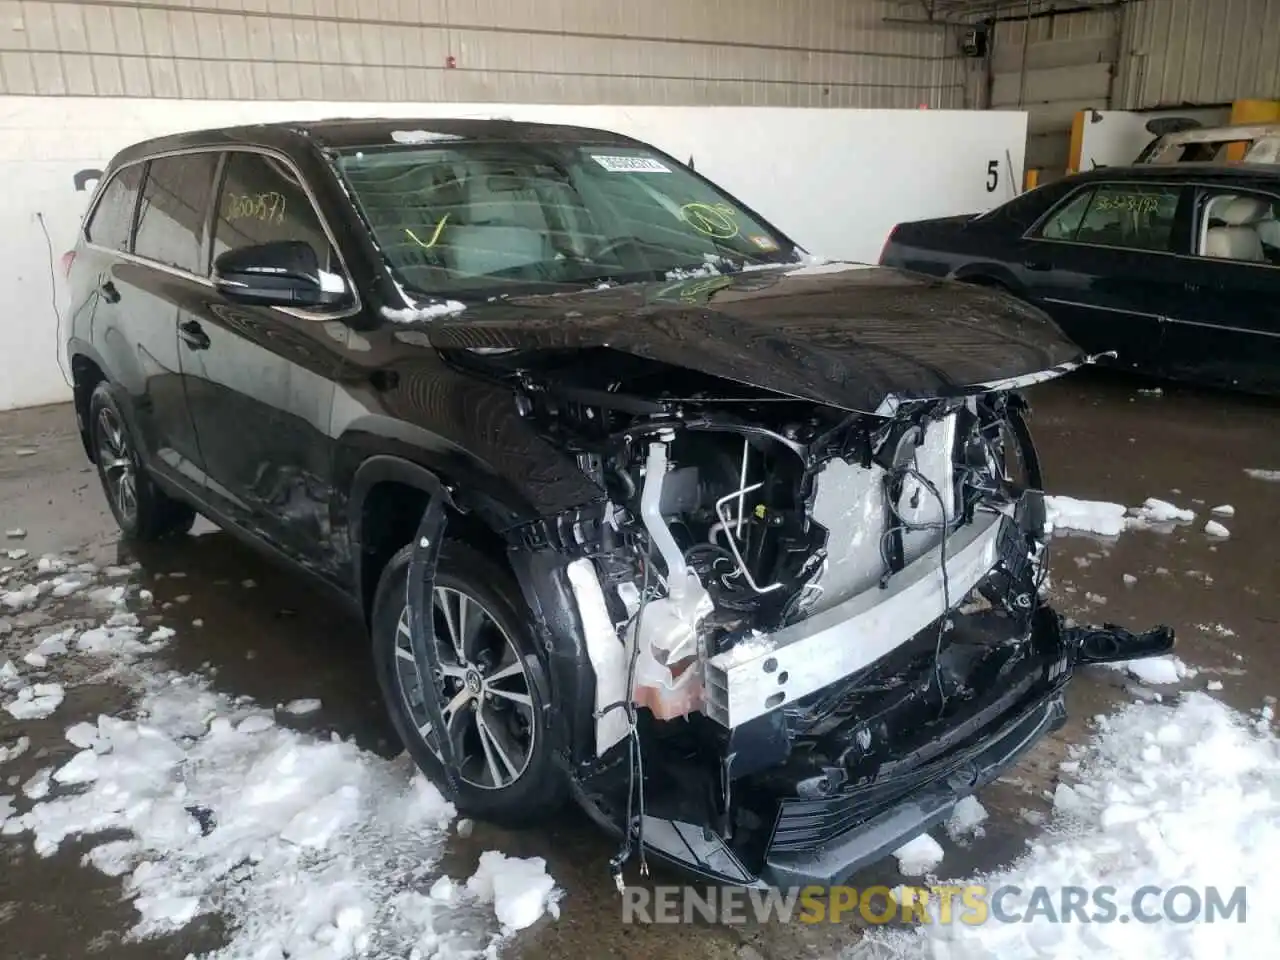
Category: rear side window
<point>262,201</point>
<point>1131,215</point>
<point>171,216</point>
<point>113,216</point>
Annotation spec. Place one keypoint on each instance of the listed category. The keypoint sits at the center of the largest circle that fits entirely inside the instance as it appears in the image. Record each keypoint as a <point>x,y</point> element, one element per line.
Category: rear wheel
<point>142,510</point>
<point>491,686</point>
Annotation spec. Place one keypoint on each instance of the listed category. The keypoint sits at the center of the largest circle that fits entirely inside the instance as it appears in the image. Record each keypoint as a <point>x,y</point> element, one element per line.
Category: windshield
<point>485,218</point>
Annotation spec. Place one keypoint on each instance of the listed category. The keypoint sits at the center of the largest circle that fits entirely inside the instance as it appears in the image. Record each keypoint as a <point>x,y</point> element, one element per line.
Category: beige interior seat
<point>1237,237</point>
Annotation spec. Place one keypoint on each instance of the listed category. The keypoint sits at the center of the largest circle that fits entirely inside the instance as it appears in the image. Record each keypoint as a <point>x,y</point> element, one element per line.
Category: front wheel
<point>491,687</point>
<point>142,510</point>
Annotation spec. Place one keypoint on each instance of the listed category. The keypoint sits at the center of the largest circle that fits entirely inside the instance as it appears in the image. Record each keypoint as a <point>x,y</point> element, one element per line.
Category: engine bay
<point>766,598</point>
<point>730,516</point>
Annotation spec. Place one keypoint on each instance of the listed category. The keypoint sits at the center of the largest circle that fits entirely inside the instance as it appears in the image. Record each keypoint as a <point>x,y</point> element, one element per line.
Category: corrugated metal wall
<point>835,53</point>
<point>1137,55</point>
<point>1069,63</point>
<point>1201,52</point>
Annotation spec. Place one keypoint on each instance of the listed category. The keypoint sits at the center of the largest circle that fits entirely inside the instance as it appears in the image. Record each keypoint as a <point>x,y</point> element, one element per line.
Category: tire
<point>500,646</point>
<point>142,510</point>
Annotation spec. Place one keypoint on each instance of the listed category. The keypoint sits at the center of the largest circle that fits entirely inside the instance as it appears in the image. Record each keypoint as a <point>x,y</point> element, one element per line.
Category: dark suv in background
<point>641,505</point>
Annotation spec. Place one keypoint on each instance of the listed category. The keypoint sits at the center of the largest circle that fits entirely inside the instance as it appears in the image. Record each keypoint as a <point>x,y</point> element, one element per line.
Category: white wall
<point>835,180</point>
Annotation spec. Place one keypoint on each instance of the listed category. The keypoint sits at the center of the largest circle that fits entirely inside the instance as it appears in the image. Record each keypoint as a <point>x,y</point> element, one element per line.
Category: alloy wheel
<point>119,469</point>
<point>484,691</point>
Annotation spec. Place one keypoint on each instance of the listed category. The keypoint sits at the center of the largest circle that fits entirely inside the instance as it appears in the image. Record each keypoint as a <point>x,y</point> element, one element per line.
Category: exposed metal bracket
<point>420,596</point>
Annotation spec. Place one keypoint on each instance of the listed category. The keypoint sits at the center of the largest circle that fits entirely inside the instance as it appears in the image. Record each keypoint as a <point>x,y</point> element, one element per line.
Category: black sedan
<point>1174,268</point>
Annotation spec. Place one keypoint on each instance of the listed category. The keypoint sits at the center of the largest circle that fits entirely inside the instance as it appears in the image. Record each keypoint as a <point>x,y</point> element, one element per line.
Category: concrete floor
<point>1100,438</point>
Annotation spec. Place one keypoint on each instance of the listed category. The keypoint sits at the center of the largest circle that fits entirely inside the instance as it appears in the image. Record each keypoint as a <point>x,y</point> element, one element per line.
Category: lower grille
<point>806,824</point>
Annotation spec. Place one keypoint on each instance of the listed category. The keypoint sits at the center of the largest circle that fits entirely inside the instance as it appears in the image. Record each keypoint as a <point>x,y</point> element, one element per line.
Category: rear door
<point>1225,330</point>
<point>146,280</point>
<point>259,379</point>
<point>1101,264</point>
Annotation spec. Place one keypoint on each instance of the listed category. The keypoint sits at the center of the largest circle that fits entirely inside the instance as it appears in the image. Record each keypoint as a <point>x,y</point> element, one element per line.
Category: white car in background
<point>1209,144</point>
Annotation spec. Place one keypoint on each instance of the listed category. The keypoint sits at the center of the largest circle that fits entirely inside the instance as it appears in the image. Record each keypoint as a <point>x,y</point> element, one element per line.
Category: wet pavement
<point>259,631</point>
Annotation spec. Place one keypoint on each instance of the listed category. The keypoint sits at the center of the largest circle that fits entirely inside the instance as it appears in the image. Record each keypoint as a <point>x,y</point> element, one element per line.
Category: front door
<point>1101,266</point>
<point>259,379</point>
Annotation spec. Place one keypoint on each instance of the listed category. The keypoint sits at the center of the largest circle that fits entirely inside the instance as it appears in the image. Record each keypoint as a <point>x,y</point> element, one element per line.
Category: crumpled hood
<point>845,335</point>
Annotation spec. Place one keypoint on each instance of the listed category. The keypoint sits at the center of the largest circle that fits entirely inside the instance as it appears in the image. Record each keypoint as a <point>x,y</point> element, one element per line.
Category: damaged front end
<point>789,637</point>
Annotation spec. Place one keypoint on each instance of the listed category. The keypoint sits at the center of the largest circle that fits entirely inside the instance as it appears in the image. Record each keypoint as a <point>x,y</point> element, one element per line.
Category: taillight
<point>888,240</point>
<point>68,259</point>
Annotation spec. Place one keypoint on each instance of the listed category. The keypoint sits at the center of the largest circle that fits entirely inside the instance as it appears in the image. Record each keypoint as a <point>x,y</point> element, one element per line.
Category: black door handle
<point>193,335</point>
<point>1038,265</point>
<point>109,292</point>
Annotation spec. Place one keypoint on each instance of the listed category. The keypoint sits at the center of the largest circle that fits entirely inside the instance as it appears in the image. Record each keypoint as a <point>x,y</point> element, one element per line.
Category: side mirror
<point>284,273</point>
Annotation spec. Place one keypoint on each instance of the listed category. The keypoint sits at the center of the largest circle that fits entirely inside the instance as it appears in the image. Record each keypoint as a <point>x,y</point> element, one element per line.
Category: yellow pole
<point>1251,111</point>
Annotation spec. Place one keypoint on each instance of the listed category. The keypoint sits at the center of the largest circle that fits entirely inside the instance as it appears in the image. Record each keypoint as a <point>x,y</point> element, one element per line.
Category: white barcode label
<point>631,164</point>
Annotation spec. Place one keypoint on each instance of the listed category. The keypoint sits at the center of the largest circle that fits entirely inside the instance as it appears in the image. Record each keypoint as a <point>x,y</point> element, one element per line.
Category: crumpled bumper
<point>884,815</point>
<point>823,841</point>
<point>795,860</point>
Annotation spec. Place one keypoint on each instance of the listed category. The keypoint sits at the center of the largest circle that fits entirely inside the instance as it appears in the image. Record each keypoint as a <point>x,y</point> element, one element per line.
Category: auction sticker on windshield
<point>631,164</point>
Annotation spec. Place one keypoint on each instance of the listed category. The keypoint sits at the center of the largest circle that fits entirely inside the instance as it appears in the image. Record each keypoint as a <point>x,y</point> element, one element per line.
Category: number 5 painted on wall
<point>993,175</point>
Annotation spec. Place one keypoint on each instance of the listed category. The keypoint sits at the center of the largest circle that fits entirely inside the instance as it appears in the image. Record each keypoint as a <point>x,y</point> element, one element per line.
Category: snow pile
<point>1214,529</point>
<point>520,890</point>
<point>309,847</point>
<point>54,645</point>
<point>1270,475</point>
<point>306,847</point>
<point>122,636</point>
<point>36,701</point>
<point>431,311</point>
<point>1157,670</point>
<point>1154,512</point>
<point>1086,516</point>
<point>1224,510</point>
<point>1168,796</point>
<point>21,598</point>
<point>692,273</point>
<point>966,819</point>
<point>1111,519</point>
<point>918,856</point>
<point>15,749</point>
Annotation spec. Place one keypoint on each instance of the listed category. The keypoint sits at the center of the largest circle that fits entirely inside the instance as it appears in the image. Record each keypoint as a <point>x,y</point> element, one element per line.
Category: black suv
<point>642,505</point>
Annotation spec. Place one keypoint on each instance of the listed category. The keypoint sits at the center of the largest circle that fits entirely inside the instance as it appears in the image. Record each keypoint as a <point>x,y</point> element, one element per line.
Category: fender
<point>374,449</point>
<point>382,468</point>
<point>379,469</point>
<point>540,574</point>
<point>511,487</point>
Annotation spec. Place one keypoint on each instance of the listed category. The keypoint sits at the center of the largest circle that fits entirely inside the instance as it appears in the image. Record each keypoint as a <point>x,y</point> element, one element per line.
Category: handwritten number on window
<point>263,207</point>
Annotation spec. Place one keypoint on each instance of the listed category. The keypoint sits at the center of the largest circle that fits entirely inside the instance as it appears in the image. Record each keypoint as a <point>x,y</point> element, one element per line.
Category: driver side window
<point>260,201</point>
